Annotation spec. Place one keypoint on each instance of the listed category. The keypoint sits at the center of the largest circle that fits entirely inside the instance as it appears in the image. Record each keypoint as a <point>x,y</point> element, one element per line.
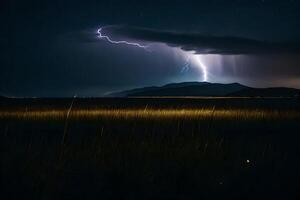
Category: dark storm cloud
<point>202,44</point>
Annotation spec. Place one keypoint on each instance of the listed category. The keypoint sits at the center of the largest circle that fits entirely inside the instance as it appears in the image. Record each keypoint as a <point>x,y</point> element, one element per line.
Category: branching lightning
<point>107,38</point>
<point>197,59</point>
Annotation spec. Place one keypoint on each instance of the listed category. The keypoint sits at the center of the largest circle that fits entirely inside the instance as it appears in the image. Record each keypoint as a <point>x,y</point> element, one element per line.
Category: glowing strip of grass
<point>86,114</point>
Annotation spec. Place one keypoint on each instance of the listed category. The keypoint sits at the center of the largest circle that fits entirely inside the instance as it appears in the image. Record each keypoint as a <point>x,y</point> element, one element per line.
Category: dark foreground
<point>153,148</point>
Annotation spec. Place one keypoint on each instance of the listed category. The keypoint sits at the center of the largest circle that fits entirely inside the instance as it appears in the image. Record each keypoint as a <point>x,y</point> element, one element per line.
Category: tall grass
<point>149,152</point>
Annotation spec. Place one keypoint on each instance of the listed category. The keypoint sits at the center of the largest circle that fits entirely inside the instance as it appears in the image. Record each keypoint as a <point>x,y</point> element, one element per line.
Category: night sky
<point>90,48</point>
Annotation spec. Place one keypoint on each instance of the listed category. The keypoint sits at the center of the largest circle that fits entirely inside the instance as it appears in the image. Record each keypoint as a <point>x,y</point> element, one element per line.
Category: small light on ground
<point>248,161</point>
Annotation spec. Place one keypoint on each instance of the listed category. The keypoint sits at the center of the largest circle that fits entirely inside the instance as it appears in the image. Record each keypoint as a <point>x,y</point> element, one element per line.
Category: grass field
<point>150,148</point>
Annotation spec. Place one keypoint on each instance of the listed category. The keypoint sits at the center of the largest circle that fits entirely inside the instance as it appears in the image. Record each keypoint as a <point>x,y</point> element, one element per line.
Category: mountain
<point>207,89</point>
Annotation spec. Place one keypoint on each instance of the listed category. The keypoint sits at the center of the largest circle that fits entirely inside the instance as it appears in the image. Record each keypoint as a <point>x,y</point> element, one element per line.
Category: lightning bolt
<point>107,38</point>
<point>203,68</point>
<point>197,59</point>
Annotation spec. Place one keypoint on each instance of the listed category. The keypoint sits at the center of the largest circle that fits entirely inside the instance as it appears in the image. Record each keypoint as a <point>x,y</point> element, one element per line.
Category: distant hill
<point>208,89</point>
<point>267,92</point>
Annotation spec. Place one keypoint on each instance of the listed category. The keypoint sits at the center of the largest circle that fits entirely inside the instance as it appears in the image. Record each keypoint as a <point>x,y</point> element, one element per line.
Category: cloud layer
<point>200,43</point>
